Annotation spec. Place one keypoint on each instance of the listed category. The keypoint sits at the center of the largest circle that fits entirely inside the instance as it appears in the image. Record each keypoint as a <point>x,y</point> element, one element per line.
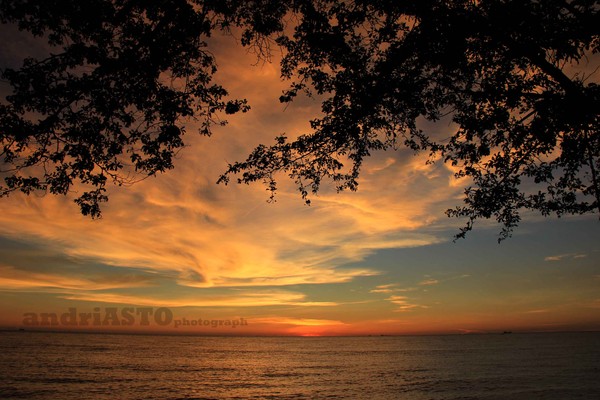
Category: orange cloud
<point>239,299</point>
<point>383,288</point>
<point>403,304</point>
<point>183,225</point>
<point>391,288</point>
<point>12,278</point>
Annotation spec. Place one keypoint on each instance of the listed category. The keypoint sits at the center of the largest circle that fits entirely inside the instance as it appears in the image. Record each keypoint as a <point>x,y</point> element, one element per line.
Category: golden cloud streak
<point>12,278</point>
<point>255,299</point>
<point>403,304</point>
<point>183,225</point>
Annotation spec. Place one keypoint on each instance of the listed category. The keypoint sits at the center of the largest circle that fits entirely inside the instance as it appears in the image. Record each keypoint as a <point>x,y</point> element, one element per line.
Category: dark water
<point>91,366</point>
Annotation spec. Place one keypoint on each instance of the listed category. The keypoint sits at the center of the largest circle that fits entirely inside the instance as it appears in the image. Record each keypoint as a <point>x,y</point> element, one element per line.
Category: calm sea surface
<point>91,366</point>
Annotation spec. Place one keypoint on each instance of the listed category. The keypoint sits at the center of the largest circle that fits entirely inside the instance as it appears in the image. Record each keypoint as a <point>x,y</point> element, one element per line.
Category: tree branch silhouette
<point>527,135</point>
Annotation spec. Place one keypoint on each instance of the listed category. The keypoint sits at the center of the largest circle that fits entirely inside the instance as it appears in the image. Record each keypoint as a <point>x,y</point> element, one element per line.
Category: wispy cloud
<point>12,278</point>
<point>392,288</point>
<point>403,304</point>
<point>389,288</point>
<point>214,236</point>
<point>428,281</point>
<point>183,226</point>
<point>238,299</point>
<point>561,257</point>
<point>538,311</point>
<point>408,289</point>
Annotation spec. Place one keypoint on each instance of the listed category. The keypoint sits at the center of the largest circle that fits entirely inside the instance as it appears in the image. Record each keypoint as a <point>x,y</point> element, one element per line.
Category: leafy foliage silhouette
<point>527,130</point>
<point>129,73</point>
<point>109,102</point>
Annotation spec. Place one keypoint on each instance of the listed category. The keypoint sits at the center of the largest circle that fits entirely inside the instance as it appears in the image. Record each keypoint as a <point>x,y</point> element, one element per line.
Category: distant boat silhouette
<point>506,332</point>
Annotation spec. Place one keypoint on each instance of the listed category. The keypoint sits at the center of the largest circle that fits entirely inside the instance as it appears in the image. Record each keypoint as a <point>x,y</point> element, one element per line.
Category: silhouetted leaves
<point>121,78</point>
<point>527,132</point>
<point>110,100</point>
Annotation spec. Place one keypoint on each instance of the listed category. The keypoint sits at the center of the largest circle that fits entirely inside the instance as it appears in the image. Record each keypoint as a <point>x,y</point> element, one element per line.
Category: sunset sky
<point>377,261</point>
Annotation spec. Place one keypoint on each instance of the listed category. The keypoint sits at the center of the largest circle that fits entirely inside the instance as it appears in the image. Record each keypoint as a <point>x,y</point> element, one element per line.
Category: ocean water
<point>66,366</point>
